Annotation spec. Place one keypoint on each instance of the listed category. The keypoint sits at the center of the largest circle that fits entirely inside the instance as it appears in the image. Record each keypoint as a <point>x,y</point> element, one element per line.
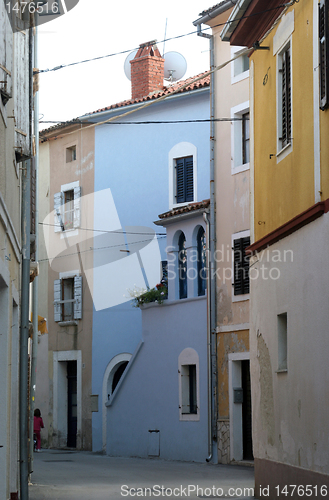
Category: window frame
<point>323,55</point>
<point>61,207</point>
<point>181,150</point>
<point>284,146</point>
<point>235,78</point>
<point>188,357</point>
<point>201,263</point>
<point>237,164</point>
<point>242,296</point>
<point>183,182</point>
<point>182,271</point>
<point>59,300</point>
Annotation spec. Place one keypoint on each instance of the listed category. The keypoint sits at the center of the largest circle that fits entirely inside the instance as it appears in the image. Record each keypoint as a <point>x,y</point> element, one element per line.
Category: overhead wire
<point>106,231</point>
<point>62,66</point>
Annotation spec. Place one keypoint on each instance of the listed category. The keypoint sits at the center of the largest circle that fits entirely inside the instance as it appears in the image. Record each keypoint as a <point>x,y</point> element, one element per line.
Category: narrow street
<point>70,475</point>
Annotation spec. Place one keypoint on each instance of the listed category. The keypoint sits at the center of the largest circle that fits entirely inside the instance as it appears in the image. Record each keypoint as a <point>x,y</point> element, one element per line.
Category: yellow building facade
<point>289,192</point>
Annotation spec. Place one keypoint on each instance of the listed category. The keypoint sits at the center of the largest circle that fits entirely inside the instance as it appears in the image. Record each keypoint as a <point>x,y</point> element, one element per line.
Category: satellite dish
<point>174,66</point>
<point>127,65</point>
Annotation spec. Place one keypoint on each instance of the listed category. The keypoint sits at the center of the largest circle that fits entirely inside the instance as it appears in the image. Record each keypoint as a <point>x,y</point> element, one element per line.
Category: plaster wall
<point>148,398</point>
<point>71,337</point>
<point>133,161</point>
<point>292,175</point>
<point>289,407</point>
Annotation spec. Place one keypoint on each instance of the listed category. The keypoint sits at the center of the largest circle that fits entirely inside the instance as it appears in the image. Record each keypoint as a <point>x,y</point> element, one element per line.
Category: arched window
<point>202,263</point>
<point>182,267</point>
<point>118,374</point>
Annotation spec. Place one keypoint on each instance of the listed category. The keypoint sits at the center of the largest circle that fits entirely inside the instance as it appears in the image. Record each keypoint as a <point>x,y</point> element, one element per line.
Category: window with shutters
<point>202,261</point>
<point>67,207</point>
<point>184,180</point>
<point>240,66</point>
<point>188,380</point>
<point>323,53</point>
<point>240,138</point>
<point>68,298</point>
<point>241,265</point>
<point>284,96</point>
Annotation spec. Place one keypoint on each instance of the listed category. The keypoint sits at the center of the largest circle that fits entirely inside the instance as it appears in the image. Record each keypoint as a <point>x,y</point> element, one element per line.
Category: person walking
<point>37,426</point>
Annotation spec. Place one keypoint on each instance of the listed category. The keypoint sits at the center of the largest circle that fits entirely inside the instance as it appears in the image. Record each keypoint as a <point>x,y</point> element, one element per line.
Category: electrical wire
<point>155,122</point>
<point>56,68</point>
<point>104,231</point>
<point>94,249</point>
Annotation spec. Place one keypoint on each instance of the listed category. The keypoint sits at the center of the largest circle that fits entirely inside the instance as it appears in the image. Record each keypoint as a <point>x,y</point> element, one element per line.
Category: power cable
<point>56,68</point>
<point>105,231</point>
<point>155,122</point>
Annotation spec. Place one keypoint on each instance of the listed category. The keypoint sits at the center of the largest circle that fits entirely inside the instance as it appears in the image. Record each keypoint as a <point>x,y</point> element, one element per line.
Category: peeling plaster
<point>224,306</point>
<point>266,389</point>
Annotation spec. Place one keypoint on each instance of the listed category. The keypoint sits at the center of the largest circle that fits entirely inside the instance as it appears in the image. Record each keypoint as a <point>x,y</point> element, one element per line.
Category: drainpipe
<point>212,368</point>
<point>25,297</point>
<point>35,284</point>
<point>206,219</point>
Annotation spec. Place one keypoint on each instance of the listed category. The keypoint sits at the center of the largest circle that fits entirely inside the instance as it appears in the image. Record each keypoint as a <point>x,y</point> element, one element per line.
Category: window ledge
<point>173,302</point>
<point>282,370</point>
<point>284,152</point>
<point>68,323</point>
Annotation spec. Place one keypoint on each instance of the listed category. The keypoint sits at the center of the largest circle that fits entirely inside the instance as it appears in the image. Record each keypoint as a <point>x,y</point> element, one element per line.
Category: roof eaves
<point>232,22</point>
<point>214,11</point>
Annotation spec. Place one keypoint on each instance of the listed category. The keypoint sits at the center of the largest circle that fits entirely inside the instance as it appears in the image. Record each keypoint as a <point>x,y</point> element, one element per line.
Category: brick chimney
<point>147,70</point>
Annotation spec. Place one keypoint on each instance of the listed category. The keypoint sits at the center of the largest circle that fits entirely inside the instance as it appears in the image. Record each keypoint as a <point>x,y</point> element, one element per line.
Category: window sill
<point>189,417</point>
<point>240,298</point>
<point>240,77</point>
<point>240,168</point>
<point>68,323</point>
<point>282,370</point>
<point>284,152</point>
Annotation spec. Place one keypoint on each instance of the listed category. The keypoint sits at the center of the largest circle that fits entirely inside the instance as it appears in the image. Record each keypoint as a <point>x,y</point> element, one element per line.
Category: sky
<point>99,27</point>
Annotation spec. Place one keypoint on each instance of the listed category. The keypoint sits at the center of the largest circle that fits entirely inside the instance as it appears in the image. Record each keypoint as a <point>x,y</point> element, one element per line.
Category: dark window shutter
<point>182,267</point>
<point>323,53</point>
<point>286,98</point>
<point>184,180</point>
<point>189,178</point>
<point>180,195</point>
<point>241,266</point>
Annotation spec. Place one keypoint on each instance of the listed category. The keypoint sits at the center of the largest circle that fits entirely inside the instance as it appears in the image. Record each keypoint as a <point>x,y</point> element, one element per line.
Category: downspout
<point>212,368</point>
<point>35,287</point>
<point>206,219</point>
<point>25,297</point>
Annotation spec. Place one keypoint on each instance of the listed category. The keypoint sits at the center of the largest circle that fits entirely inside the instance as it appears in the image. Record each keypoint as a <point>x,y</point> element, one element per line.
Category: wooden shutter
<point>57,298</point>
<point>184,179</point>
<point>6,54</point>
<point>58,209</point>
<point>22,96</point>
<point>241,266</point>
<point>286,98</point>
<point>78,297</point>
<point>189,178</point>
<point>77,207</point>
<point>180,194</point>
<point>323,53</point>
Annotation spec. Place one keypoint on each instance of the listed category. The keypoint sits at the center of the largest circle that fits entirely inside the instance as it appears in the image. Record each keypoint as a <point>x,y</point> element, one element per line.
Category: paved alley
<point>71,475</point>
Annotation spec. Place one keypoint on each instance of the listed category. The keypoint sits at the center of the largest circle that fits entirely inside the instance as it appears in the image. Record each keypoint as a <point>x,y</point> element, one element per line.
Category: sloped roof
<point>191,207</point>
<point>208,11</point>
<point>202,83</point>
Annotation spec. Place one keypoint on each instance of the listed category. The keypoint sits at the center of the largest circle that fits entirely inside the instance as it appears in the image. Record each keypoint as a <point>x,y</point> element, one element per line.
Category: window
<point>71,154</point>
<point>68,298</point>
<point>189,401</point>
<point>323,53</point>
<point>188,382</point>
<point>240,138</point>
<point>241,266</point>
<point>240,66</point>
<point>245,139</point>
<point>67,207</point>
<point>284,98</point>
<point>202,261</point>
<point>184,179</point>
<point>182,267</point>
<point>282,342</point>
<point>182,152</point>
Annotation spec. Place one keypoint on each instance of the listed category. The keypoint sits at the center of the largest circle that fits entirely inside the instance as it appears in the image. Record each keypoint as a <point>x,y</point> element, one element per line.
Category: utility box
<point>238,395</point>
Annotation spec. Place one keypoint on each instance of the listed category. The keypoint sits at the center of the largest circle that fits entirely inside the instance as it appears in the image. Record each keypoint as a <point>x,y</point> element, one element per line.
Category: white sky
<point>99,27</point>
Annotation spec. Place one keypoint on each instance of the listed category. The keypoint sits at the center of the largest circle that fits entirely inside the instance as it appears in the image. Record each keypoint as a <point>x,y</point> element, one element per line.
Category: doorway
<point>72,404</point>
<point>240,407</point>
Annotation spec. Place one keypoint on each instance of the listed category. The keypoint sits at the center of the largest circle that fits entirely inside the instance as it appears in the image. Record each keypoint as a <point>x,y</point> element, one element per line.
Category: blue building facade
<point>137,164</point>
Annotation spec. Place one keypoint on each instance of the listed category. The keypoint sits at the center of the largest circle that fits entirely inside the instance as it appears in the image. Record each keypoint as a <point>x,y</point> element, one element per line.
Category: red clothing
<point>38,424</point>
